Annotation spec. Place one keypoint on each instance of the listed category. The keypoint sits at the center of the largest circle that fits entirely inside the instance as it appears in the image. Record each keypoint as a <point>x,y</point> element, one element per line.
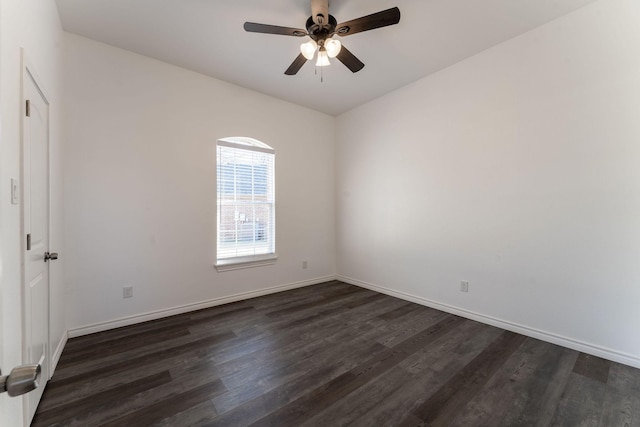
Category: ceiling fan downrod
<point>320,12</point>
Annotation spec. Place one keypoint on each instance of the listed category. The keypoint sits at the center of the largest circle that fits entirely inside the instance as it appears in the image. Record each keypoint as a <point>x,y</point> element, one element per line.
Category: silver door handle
<point>50,256</point>
<point>21,380</point>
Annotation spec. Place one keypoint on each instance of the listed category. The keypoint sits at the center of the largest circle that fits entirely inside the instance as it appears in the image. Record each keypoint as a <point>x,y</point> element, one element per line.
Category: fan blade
<point>253,27</point>
<point>369,22</point>
<point>349,59</point>
<point>296,65</point>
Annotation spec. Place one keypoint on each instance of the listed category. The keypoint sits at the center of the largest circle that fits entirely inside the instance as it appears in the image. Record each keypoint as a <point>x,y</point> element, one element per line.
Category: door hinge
<point>28,108</point>
<point>29,241</point>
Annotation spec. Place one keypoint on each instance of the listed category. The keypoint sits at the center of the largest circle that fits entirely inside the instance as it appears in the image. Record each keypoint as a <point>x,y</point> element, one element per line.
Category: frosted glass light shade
<point>308,49</point>
<point>333,47</point>
<point>323,58</point>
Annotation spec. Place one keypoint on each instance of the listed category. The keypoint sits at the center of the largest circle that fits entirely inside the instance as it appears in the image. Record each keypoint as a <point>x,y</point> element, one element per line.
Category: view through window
<point>246,200</point>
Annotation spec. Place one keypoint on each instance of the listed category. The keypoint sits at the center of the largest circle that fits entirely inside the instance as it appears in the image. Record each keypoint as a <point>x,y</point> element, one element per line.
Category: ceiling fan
<point>321,27</point>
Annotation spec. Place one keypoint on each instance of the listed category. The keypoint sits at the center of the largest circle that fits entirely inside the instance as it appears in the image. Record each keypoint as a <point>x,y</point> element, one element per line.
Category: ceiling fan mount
<point>321,27</point>
<point>321,32</point>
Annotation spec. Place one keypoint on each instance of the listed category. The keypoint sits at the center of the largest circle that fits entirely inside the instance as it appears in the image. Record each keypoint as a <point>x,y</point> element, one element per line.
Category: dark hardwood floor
<point>328,355</point>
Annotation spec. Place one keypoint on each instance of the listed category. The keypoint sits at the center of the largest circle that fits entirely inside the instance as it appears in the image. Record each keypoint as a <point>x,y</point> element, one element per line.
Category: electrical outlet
<point>464,286</point>
<point>304,265</point>
<point>127,292</point>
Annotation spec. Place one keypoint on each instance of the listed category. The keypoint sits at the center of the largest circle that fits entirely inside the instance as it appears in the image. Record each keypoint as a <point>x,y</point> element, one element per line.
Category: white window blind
<point>246,199</point>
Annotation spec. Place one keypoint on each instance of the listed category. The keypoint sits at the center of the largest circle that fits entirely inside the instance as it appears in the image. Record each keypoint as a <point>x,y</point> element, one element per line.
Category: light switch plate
<point>15,192</point>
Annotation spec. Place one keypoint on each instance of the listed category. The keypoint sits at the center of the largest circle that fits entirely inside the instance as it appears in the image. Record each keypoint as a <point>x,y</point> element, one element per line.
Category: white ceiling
<point>207,36</point>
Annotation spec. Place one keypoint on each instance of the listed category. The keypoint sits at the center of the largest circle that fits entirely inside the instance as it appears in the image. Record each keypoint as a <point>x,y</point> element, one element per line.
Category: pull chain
<point>315,71</point>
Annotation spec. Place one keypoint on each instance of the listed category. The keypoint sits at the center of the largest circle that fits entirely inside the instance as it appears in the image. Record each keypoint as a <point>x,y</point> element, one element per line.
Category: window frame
<point>246,261</point>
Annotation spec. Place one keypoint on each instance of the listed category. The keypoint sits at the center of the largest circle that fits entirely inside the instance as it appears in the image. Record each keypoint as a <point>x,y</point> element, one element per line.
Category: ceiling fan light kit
<point>321,27</point>
<point>330,49</point>
<point>323,58</point>
<point>333,47</point>
<point>308,49</point>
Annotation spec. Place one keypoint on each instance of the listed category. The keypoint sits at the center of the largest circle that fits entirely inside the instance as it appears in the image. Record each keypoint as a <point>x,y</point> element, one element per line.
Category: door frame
<point>27,71</point>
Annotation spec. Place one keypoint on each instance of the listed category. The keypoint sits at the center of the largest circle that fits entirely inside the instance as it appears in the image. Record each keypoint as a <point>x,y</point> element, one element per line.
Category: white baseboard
<point>573,344</point>
<point>158,314</point>
<point>55,356</point>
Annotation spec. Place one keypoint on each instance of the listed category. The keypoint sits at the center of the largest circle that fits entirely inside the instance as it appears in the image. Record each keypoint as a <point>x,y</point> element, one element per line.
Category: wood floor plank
<point>265,403</point>
<point>120,344</point>
<point>410,421</point>
<point>199,415</point>
<point>319,399</point>
<point>288,346</point>
<point>85,389</point>
<point>592,367</point>
<point>581,403</point>
<point>98,338</point>
<point>228,320</point>
<point>125,365</point>
<point>620,409</point>
<point>293,297</point>
<point>502,400</point>
<point>621,405</point>
<point>81,406</point>
<point>285,380</point>
<point>431,369</point>
<point>403,310</point>
<point>169,407</point>
<point>409,325</point>
<point>272,351</point>
<point>324,299</point>
<point>118,408</point>
<point>461,345</point>
<point>362,308</point>
<point>327,355</point>
<point>181,320</point>
<point>448,401</point>
<point>551,380</point>
<point>140,349</point>
<point>362,400</point>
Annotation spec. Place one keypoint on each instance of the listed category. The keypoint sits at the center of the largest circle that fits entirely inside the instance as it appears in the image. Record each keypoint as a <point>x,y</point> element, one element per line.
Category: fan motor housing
<point>321,33</point>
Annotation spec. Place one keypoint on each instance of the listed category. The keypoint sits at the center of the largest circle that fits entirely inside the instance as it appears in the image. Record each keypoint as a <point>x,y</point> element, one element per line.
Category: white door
<point>36,233</point>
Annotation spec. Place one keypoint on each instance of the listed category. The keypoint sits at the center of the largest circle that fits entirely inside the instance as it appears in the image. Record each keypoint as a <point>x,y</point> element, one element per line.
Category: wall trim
<point>55,357</point>
<point>595,350</point>
<point>158,314</point>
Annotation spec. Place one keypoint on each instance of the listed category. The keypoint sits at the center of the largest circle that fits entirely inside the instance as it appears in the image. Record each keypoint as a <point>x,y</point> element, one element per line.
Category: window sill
<point>245,262</point>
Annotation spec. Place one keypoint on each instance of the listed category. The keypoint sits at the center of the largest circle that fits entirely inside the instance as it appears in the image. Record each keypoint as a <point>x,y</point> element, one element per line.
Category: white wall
<point>517,170</point>
<point>140,185</point>
<point>34,25</point>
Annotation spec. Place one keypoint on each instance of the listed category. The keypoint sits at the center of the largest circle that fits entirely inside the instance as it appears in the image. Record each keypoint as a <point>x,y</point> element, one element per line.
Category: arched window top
<point>245,143</point>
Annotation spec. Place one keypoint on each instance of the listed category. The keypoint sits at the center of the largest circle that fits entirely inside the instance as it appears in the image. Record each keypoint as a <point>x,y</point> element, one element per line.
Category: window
<point>246,203</point>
